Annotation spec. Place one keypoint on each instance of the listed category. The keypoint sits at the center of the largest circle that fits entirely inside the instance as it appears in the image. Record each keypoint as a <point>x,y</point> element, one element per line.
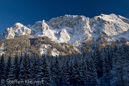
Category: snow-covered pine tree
<point>82,70</point>
<point>75,72</point>
<point>35,68</point>
<point>87,71</point>
<point>44,72</point>
<point>32,68</point>
<point>56,76</point>
<point>98,62</point>
<point>106,66</point>
<point>2,65</point>
<point>119,72</point>
<point>117,75</point>
<point>24,69</point>
<point>7,68</point>
<point>20,59</point>
<point>14,70</point>
<point>66,72</point>
<point>91,72</point>
<point>109,63</point>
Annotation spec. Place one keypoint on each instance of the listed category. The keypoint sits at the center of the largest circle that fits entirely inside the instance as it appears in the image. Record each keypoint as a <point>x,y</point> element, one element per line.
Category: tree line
<point>105,67</point>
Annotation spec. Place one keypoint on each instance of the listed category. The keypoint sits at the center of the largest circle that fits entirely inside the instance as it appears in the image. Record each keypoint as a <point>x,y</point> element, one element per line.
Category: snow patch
<point>55,52</point>
<point>2,50</point>
<point>43,49</point>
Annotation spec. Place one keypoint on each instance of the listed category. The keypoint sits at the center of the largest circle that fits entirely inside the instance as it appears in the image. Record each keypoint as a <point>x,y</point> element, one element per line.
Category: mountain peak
<point>18,24</point>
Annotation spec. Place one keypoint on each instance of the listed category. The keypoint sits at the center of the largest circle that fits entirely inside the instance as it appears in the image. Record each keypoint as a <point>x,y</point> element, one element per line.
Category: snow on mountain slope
<point>2,50</point>
<point>74,29</point>
<point>43,49</point>
<point>35,45</point>
<point>17,30</point>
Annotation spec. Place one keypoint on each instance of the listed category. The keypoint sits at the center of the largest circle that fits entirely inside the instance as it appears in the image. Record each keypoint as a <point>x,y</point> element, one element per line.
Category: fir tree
<point>34,68</point>
<point>14,70</point>
<point>82,72</point>
<point>56,76</point>
<point>93,72</point>
<point>44,72</point>
<point>75,72</point>
<point>24,69</point>
<point>2,65</point>
<point>66,73</point>
<point>7,68</point>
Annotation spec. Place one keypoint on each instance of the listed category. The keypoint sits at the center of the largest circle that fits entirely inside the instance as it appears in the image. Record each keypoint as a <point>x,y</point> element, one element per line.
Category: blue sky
<point>30,11</point>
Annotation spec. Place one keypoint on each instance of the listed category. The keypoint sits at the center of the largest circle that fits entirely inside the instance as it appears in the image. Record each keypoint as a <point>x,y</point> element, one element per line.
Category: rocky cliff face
<point>74,29</point>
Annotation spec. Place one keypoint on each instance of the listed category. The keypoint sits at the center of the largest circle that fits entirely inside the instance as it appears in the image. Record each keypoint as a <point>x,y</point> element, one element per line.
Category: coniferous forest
<point>106,67</point>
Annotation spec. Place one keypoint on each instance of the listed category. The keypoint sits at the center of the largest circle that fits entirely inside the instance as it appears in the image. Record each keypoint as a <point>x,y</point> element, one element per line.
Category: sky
<point>30,11</point>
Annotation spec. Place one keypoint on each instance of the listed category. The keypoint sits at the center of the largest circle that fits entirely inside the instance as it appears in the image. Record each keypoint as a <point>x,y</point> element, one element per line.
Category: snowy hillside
<point>74,29</point>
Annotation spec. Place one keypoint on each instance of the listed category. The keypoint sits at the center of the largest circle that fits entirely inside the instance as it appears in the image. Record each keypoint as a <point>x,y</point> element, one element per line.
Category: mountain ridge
<point>75,29</point>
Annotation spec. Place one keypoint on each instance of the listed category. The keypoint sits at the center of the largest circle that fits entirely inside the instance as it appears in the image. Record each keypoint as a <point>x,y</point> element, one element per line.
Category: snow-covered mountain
<point>74,29</point>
